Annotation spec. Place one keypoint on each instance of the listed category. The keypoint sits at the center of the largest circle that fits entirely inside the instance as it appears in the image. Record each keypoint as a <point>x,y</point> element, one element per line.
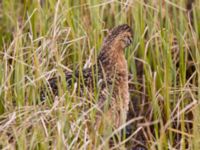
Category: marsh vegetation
<point>40,39</point>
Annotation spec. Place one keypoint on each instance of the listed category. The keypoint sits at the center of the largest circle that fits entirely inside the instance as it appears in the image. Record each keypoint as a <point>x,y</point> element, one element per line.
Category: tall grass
<point>42,39</point>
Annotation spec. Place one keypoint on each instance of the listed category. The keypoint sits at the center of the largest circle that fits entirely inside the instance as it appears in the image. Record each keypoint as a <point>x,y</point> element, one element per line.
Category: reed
<point>42,39</point>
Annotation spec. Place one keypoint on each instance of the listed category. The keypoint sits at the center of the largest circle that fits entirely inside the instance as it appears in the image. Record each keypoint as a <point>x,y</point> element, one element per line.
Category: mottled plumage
<point>109,75</point>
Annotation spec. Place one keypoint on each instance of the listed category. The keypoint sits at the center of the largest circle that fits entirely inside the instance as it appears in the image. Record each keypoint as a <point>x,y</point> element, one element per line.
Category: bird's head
<point>121,35</point>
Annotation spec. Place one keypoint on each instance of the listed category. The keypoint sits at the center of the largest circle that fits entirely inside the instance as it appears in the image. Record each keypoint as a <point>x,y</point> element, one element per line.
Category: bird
<point>109,75</point>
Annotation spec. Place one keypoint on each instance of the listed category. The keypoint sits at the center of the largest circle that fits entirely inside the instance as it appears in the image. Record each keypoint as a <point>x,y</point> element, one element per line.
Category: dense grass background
<point>40,39</point>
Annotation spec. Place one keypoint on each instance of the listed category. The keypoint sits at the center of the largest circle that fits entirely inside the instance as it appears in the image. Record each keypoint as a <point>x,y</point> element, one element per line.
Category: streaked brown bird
<point>109,75</point>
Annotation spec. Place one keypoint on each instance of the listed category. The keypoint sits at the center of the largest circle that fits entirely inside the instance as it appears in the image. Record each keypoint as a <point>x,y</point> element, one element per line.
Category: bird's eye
<point>127,40</point>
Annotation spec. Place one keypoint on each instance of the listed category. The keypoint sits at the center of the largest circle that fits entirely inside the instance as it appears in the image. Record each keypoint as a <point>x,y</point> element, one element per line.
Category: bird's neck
<point>112,61</point>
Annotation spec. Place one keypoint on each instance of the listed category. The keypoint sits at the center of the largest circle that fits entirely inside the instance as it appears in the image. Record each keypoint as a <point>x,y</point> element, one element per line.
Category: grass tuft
<point>43,39</point>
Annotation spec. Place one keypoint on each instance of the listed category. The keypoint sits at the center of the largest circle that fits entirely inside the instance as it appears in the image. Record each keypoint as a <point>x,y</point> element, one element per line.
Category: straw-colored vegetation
<point>40,39</point>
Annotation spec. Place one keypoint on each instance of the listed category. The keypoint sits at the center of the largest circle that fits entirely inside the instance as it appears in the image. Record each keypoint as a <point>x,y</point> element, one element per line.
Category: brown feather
<point>111,69</point>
